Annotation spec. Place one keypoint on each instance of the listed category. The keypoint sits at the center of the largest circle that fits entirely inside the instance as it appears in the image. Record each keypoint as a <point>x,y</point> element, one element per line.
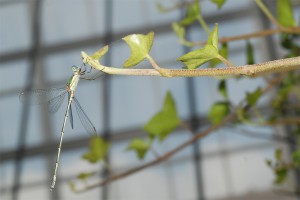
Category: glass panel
<point>84,19</point>
<point>15,32</point>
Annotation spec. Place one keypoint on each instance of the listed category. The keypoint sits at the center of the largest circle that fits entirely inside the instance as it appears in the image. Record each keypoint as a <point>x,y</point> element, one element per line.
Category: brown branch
<point>256,34</point>
<point>162,158</point>
<point>286,121</point>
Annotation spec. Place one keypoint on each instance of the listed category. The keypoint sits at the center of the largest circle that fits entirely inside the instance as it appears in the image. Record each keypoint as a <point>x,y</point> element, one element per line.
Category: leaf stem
<point>203,24</point>
<point>225,61</point>
<point>266,11</point>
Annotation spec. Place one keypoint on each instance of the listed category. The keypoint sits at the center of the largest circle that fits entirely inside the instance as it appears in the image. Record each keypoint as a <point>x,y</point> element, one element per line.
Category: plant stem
<point>266,11</point>
<point>281,65</point>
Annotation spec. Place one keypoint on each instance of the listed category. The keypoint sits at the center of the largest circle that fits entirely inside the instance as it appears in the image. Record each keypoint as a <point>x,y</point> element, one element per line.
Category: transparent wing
<point>85,121</point>
<point>70,113</point>
<point>52,97</point>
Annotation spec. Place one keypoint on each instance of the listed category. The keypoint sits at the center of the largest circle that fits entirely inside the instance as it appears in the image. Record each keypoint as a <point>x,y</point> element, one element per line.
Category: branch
<point>263,33</point>
<point>281,65</point>
<point>162,158</point>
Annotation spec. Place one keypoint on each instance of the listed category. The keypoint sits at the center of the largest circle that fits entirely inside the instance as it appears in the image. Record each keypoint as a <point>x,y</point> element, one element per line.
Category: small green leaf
<point>250,53</point>
<point>222,88</point>
<point>100,53</point>
<point>213,37</point>
<point>139,146</point>
<point>179,30</point>
<point>83,176</point>
<point>253,97</point>
<point>218,111</point>
<point>223,52</point>
<point>195,58</point>
<point>269,163</point>
<point>140,46</point>
<point>281,175</point>
<point>165,121</point>
<point>218,2</point>
<point>285,13</point>
<point>98,149</point>
<point>193,11</point>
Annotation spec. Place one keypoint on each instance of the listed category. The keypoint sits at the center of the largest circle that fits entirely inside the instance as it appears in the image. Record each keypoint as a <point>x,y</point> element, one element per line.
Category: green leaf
<point>140,46</point>
<point>269,163</point>
<point>100,53</point>
<point>165,121</point>
<point>218,2</point>
<point>98,149</point>
<point>194,59</point>
<point>193,11</point>
<point>213,38</point>
<point>285,13</point>
<point>250,53</point>
<point>139,146</point>
<point>253,97</point>
<point>83,176</point>
<point>223,52</point>
<point>222,88</point>
<point>218,111</point>
<point>179,30</point>
<point>281,175</point>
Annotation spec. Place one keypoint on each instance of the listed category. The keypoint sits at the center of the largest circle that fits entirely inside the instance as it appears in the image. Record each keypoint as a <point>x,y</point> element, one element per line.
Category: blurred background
<point>39,42</point>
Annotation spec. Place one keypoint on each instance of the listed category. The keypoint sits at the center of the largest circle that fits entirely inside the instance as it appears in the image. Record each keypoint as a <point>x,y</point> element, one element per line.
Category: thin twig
<point>164,157</point>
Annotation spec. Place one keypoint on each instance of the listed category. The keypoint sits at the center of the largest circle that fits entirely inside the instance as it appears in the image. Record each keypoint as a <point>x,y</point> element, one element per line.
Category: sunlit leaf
<point>140,46</point>
<point>98,149</point>
<point>285,13</point>
<point>218,2</point>
<point>194,59</point>
<point>253,97</point>
<point>218,111</point>
<point>250,53</point>
<point>213,38</point>
<point>139,146</point>
<point>165,121</point>
<point>100,53</point>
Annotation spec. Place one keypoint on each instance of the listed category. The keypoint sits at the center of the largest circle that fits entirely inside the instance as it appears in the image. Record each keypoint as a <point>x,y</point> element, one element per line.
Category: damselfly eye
<point>74,68</point>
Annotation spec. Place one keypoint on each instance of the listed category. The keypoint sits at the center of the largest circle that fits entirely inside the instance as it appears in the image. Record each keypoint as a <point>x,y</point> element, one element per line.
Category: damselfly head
<point>74,68</point>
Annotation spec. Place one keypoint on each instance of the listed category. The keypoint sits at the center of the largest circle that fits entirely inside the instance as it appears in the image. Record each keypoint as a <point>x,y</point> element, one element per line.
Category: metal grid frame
<point>36,54</point>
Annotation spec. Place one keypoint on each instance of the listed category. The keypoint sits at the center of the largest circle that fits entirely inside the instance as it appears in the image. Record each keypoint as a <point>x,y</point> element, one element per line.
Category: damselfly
<point>53,98</point>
